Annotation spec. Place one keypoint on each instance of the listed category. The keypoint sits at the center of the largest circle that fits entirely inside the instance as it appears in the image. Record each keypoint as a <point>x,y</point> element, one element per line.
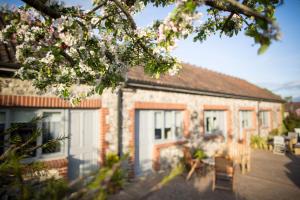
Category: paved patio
<point>271,177</point>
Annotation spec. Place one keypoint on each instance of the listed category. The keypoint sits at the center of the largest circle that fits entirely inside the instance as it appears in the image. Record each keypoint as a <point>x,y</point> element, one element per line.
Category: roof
<point>292,106</point>
<point>193,78</point>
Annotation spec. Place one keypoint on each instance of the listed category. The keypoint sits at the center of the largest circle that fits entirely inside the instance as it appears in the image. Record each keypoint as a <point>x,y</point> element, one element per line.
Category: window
<point>25,129</point>
<point>52,126</point>
<point>51,129</point>
<point>158,125</point>
<point>214,122</point>
<point>178,124</point>
<point>246,119</point>
<point>168,125</point>
<point>264,118</point>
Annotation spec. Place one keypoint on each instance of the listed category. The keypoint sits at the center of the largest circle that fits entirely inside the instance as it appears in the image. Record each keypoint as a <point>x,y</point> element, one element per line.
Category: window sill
<point>248,129</point>
<point>264,127</point>
<point>168,143</point>
<point>55,156</point>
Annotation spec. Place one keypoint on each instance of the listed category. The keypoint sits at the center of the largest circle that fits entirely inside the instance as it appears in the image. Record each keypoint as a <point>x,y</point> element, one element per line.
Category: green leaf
<point>262,49</point>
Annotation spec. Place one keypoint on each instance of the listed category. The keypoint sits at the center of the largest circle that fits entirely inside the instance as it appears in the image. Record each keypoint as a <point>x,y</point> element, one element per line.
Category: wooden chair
<point>224,174</point>
<point>191,162</point>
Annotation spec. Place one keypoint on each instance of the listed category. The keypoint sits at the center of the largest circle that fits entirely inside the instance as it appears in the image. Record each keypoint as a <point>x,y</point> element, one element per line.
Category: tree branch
<point>236,7</point>
<point>125,11</point>
<point>40,6</point>
<point>97,7</point>
<point>226,22</point>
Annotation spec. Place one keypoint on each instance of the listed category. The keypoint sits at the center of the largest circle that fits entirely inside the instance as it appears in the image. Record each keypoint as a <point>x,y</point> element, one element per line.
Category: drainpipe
<point>257,119</point>
<point>120,120</point>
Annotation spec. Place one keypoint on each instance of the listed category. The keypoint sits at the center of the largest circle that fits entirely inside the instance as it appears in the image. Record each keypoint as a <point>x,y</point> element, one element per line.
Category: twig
<point>97,7</point>
<point>226,22</point>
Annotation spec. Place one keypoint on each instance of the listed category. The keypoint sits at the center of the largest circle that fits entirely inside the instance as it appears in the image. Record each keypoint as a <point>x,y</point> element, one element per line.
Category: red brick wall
<point>60,164</point>
<point>103,131</point>
<point>157,149</point>
<point>45,102</point>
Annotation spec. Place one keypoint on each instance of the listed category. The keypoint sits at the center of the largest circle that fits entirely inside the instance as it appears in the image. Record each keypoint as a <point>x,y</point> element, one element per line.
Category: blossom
<point>68,38</point>
<point>94,20</point>
<point>29,60</point>
<point>49,59</point>
<point>174,70</point>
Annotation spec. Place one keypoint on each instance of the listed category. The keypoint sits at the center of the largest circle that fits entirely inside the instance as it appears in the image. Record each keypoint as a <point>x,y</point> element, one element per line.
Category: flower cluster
<point>178,25</point>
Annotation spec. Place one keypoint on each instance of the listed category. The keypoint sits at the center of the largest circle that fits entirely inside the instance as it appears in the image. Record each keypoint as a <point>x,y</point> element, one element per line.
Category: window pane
<point>22,134</point>
<point>265,118</point>
<point>2,127</point>
<point>158,125</point>
<point>214,122</point>
<point>168,125</point>
<point>178,124</point>
<point>246,119</point>
<point>51,128</point>
<point>21,116</point>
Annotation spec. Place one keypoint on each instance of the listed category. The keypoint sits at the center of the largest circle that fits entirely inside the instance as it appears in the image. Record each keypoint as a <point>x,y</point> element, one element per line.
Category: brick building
<point>148,118</point>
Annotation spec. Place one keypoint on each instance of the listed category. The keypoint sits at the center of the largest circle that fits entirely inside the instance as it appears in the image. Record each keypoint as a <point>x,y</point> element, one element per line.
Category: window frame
<point>211,113</point>
<point>6,124</point>
<point>39,112</point>
<point>264,118</point>
<point>251,123</point>
<point>173,126</point>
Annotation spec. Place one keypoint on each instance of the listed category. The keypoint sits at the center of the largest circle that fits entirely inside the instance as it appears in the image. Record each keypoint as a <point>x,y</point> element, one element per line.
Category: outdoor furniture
<point>224,174</point>
<point>297,149</point>
<point>191,162</point>
<point>292,143</point>
<point>279,145</point>
<point>292,135</point>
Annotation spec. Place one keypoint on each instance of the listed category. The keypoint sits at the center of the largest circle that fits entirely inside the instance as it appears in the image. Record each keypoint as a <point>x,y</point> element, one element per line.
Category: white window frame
<point>207,113</point>
<point>173,126</point>
<point>264,118</point>
<point>250,120</point>
<point>39,112</point>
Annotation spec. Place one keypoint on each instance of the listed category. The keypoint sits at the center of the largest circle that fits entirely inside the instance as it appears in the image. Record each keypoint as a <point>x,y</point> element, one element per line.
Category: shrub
<point>274,132</point>
<point>258,142</point>
<point>199,154</point>
<point>22,180</point>
<point>291,122</point>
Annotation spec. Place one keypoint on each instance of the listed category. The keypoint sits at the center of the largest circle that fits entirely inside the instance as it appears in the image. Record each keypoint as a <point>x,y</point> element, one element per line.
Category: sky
<point>277,70</point>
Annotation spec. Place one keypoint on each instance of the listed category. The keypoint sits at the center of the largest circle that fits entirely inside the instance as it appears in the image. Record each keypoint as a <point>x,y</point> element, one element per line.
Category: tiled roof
<point>196,78</point>
<point>292,106</point>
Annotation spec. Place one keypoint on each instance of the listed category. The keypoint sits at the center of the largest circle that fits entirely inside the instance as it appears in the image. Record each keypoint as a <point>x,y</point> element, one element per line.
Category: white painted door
<point>143,141</point>
<point>84,142</point>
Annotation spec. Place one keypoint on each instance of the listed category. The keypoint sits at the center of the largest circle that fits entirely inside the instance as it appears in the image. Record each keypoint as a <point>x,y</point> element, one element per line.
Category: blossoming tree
<point>58,46</point>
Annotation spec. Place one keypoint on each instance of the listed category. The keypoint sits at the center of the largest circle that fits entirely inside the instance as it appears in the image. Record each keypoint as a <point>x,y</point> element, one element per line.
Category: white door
<point>84,142</point>
<point>143,141</point>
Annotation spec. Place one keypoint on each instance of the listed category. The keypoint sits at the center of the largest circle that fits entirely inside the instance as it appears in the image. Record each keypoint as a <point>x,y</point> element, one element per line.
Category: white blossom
<point>49,59</point>
<point>94,20</point>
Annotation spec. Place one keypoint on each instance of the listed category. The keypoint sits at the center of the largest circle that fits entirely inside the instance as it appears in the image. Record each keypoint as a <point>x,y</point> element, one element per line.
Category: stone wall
<point>109,102</point>
<point>14,86</point>
<point>195,106</point>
